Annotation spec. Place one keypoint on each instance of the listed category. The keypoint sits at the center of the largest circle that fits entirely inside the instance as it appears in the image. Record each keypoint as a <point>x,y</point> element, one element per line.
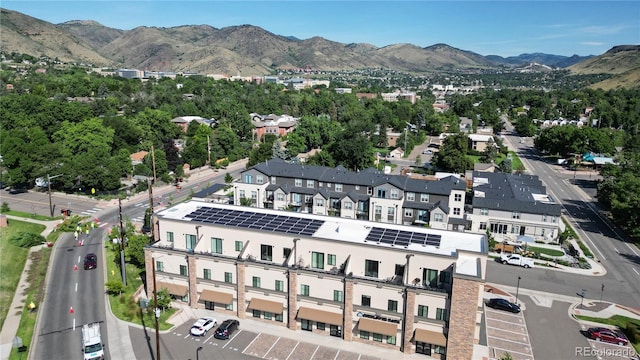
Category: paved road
<point>67,287</point>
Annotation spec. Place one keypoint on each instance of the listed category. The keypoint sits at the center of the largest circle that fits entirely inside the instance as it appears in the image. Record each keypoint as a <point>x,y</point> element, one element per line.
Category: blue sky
<point>503,28</point>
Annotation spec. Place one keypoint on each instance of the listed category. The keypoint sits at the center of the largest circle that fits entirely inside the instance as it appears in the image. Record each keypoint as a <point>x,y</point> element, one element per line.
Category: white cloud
<point>592,43</point>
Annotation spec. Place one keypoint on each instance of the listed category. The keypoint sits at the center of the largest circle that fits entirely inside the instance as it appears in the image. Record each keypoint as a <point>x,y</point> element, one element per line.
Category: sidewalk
<point>18,304</point>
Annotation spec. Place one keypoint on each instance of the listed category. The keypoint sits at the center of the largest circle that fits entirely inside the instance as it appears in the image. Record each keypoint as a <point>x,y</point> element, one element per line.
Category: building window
<point>515,215</point>
<point>207,274</point>
<point>338,188</point>
<point>499,228</point>
<point>255,282</point>
<point>320,326</point>
<point>438,218</point>
<point>357,187</point>
<point>280,196</point>
<point>266,252</point>
<point>542,232</point>
<point>279,285</point>
<point>228,277</point>
<point>391,214</point>
<point>371,268</point>
<point>377,337</point>
<point>423,348</point>
<point>183,270</point>
<point>328,185</point>
<point>544,217</point>
<point>335,330</point>
<point>392,305</point>
<point>424,198</point>
<point>366,300</point>
<point>304,290</point>
<point>268,315</point>
<point>348,205</point>
<point>169,236</point>
<point>239,245</point>
<point>377,213</point>
<point>191,241</point>
<point>286,252</point>
<point>241,194</point>
<point>306,325</point>
<point>553,219</point>
<point>369,190</point>
<point>228,307</point>
<point>445,277</point>
<point>248,179</point>
<point>456,211</point>
<point>320,202</point>
<point>331,260</point>
<point>254,196</point>
<point>515,229</point>
<point>382,193</point>
<point>273,180</point>
<point>441,314</point>
<point>216,246</point>
<point>364,334</point>
<point>338,295</point>
<point>320,184</point>
<point>484,211</point>
<point>457,197</point>
<point>408,213</point>
<point>394,193</point>
<point>259,179</point>
<point>298,182</point>
<point>159,266</point>
<point>430,277</point>
<point>411,196</point>
<point>279,317</point>
<point>310,183</point>
<point>391,340</point>
<point>483,226</point>
<point>256,313</point>
<point>317,260</point>
<point>423,311</point>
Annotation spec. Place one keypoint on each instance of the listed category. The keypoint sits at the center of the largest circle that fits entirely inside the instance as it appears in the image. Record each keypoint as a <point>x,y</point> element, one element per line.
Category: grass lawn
<point>515,160</point>
<point>12,259</point>
<point>30,215</point>
<point>123,306</point>
<point>619,321</point>
<point>550,252</point>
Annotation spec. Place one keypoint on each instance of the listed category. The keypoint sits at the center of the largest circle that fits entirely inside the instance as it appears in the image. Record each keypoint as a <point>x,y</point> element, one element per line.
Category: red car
<point>607,335</point>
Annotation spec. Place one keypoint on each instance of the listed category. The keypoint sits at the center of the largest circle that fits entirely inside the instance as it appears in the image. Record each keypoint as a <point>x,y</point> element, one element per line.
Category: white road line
<point>635,271</point>
<point>315,351</point>
<point>76,287</point>
<point>239,331</point>
<point>338,353</point>
<point>104,224</point>
<point>616,250</point>
<point>294,349</point>
<point>632,249</point>
<point>78,258</point>
<point>74,324</point>
<point>186,336</point>
<point>272,346</point>
<point>507,340</point>
<point>508,331</point>
<point>209,338</point>
<point>505,321</point>
<point>512,351</point>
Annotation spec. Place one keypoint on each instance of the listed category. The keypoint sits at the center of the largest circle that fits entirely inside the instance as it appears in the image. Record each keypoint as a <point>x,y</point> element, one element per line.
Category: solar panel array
<point>254,220</point>
<point>402,238</point>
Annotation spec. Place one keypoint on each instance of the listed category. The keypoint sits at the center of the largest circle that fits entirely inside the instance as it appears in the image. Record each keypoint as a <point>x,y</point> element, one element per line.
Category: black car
<point>18,190</point>
<point>502,304</point>
<point>227,328</point>
<point>90,261</point>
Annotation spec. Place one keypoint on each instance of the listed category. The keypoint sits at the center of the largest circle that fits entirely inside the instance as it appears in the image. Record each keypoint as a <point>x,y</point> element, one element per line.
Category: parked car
<point>90,261</point>
<point>516,259</point>
<point>18,190</point>
<point>226,329</point>
<point>427,152</point>
<point>607,335</point>
<point>503,304</point>
<point>202,325</point>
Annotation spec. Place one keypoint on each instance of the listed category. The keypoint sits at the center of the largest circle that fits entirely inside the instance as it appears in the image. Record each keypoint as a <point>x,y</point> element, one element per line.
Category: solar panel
<point>401,237</point>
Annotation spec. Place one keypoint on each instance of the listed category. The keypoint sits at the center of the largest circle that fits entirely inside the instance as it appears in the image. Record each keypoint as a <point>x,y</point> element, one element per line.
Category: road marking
<point>209,338</point>
<point>507,340</point>
<point>616,250</point>
<point>511,351</point>
<point>229,342</point>
<point>632,249</point>
<point>338,353</point>
<point>272,346</point>
<point>315,351</point>
<point>74,324</point>
<point>103,224</point>
<point>294,349</point>
<point>635,271</point>
<point>76,287</point>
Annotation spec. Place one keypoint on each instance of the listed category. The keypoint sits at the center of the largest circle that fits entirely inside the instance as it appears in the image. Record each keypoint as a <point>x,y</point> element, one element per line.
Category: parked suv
<point>227,328</point>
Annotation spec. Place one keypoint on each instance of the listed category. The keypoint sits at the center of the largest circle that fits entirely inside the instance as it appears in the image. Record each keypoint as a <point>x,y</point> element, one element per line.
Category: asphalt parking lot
<point>507,333</point>
<point>606,351</point>
<point>243,345</point>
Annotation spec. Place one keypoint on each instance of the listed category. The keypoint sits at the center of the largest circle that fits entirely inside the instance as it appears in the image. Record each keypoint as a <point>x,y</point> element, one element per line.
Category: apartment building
<point>511,206</point>
<point>367,195</point>
<point>408,288</point>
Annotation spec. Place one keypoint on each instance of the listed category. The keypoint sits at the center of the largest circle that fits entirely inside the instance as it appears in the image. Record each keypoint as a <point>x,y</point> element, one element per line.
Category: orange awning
<point>216,297</point>
<point>378,327</point>
<point>430,337</point>
<point>320,316</point>
<point>174,289</point>
<point>273,307</point>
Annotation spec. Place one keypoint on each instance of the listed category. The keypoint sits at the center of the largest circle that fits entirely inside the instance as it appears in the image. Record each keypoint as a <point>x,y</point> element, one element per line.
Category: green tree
<point>452,154</point>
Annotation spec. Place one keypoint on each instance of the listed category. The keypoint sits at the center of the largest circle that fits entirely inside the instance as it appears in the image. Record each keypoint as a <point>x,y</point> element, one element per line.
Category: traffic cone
<point>71,311</point>
<point>75,267</point>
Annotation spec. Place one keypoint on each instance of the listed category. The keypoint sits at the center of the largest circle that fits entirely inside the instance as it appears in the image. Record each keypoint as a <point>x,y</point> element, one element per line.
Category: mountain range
<point>251,50</point>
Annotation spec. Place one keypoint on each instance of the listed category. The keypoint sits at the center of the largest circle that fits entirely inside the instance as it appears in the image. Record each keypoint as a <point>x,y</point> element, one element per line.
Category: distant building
<point>183,121</point>
<point>130,73</point>
<point>278,125</point>
<point>343,90</point>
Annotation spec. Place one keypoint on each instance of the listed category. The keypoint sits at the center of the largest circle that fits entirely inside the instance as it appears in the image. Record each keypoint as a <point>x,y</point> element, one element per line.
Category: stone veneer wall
<point>292,304</point>
<point>193,281</point>
<point>407,346</point>
<point>347,324</point>
<point>242,306</point>
<point>148,265</point>
<point>462,318</point>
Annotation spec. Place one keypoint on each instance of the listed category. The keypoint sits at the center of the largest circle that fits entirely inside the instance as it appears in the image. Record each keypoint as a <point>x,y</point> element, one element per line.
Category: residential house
<point>480,142</point>
<point>368,194</point>
<point>412,289</point>
<point>183,122</point>
<point>138,157</point>
<point>278,125</point>
<point>512,205</point>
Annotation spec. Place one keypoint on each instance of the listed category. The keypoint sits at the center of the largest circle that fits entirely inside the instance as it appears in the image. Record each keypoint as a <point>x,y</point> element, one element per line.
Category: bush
<point>114,287</point>
<point>631,330</point>
<point>5,207</point>
<point>26,239</point>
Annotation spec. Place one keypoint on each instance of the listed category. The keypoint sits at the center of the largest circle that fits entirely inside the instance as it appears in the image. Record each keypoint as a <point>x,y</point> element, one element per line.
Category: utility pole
<point>405,140</point>
<point>51,206</point>
<point>209,149</point>
<point>153,163</point>
<point>153,231</point>
<point>156,311</point>
<point>123,270</point>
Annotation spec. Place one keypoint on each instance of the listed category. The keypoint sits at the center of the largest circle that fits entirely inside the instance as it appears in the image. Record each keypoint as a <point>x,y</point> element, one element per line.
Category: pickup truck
<point>515,259</point>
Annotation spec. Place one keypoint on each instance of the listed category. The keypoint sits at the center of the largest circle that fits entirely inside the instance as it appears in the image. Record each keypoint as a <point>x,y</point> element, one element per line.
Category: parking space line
<point>314,352</point>
<point>294,349</point>
<point>507,340</point>
<point>272,346</point>
<point>513,351</point>
<point>505,321</point>
<point>338,353</point>
<point>359,356</point>
<point>509,331</point>
<point>209,338</point>
<point>230,340</point>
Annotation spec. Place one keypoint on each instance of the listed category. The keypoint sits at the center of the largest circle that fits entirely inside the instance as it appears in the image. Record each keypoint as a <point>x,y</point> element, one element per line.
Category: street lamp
<point>49,191</point>
<point>517,289</point>
<point>198,352</point>
<point>156,311</point>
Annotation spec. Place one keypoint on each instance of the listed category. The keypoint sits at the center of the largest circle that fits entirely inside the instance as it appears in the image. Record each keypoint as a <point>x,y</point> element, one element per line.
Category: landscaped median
<point>629,326</point>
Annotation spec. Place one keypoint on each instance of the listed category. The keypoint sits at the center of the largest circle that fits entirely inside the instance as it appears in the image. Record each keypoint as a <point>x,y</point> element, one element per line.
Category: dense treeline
<point>48,128</point>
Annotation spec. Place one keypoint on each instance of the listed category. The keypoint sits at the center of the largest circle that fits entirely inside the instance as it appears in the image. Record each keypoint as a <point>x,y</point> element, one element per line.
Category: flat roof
<point>427,240</point>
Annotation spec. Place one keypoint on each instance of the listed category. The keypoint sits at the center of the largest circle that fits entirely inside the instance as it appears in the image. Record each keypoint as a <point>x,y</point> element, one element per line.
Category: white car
<point>202,325</point>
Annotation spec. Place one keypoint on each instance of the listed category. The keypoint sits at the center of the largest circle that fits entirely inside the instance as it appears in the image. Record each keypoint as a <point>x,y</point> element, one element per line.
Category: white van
<point>92,346</point>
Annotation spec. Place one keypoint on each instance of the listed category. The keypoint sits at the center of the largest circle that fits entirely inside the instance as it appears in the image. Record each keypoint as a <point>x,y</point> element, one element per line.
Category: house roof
<point>510,192</point>
<point>138,156</point>
<point>481,138</point>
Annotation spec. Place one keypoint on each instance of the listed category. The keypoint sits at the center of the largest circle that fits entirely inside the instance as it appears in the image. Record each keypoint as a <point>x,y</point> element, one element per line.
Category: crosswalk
<point>91,211</point>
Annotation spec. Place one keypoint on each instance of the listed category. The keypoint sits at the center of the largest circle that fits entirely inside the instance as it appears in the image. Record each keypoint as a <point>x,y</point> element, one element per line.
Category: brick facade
<point>292,305</point>
<point>242,306</point>
<point>193,281</point>
<point>148,265</point>
<point>347,324</point>
<point>462,321</point>
<point>407,346</point>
